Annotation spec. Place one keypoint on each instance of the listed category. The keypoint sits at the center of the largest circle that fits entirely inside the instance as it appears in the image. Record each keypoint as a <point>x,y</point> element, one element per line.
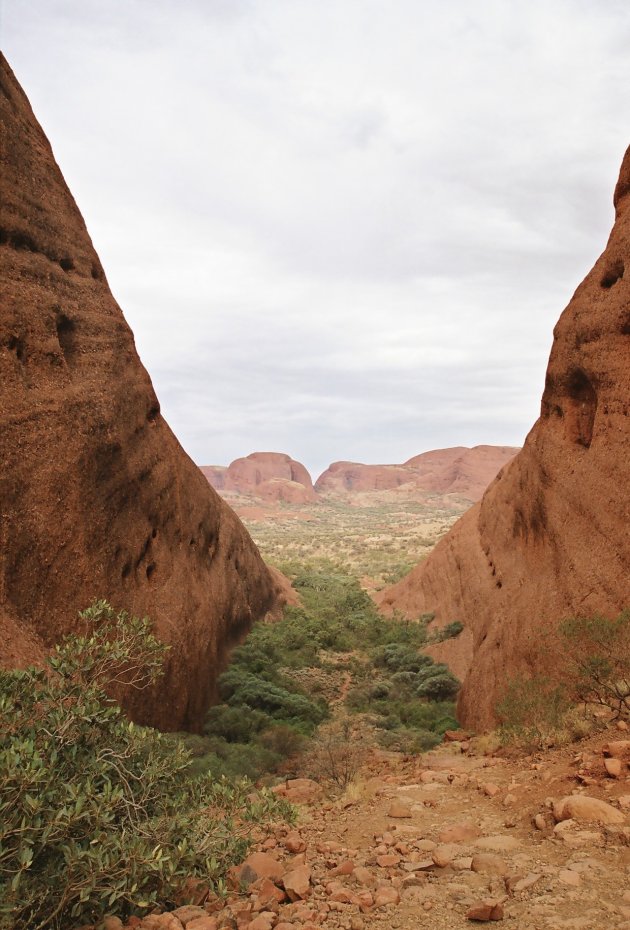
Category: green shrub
<point>441,687</point>
<point>531,711</point>
<point>597,655</point>
<point>96,813</point>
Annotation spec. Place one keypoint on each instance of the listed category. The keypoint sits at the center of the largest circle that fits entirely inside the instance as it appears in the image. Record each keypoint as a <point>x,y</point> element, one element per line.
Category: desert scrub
<point>597,658</point>
<point>531,712</point>
<point>94,811</point>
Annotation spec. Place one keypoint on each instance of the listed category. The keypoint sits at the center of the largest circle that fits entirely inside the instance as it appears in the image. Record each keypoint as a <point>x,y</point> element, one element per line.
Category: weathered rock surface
<point>97,496</point>
<point>550,536</point>
<point>462,471</point>
<point>272,476</point>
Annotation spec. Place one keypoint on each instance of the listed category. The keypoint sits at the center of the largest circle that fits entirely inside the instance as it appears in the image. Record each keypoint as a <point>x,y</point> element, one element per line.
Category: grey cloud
<point>342,229</point>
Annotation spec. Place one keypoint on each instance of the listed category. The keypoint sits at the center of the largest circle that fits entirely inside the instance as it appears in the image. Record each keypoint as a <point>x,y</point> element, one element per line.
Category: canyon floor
<point>434,840</point>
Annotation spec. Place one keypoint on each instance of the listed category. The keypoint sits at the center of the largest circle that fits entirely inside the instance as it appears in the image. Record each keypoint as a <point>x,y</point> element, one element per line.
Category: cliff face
<point>97,497</point>
<point>550,537</point>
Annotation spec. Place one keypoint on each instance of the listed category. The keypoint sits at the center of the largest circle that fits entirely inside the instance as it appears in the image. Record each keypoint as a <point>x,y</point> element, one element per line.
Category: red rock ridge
<point>462,471</point>
<point>271,476</point>
<point>550,537</point>
<point>97,497</point>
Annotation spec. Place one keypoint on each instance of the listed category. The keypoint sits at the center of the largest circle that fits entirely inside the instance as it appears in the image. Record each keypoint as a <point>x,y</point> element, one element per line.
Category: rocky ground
<point>442,841</point>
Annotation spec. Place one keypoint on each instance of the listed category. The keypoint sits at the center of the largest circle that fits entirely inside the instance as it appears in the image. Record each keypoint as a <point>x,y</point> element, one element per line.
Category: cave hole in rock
<point>66,264</point>
<point>126,569</point>
<point>150,569</point>
<point>624,329</point>
<point>66,335</point>
<point>154,412</point>
<point>613,274</point>
<point>581,408</point>
<point>16,344</point>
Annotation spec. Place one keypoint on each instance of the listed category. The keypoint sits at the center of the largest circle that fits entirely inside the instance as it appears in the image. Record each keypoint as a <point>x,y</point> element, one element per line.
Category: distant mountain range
<point>275,476</point>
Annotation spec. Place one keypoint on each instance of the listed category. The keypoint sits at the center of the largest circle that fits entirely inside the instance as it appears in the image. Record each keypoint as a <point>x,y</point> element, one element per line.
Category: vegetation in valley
<point>272,702</point>
<point>379,541</point>
<point>94,811</point>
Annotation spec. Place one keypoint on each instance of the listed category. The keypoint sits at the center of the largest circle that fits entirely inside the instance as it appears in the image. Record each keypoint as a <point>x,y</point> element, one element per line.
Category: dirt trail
<point>431,841</point>
<point>576,876</point>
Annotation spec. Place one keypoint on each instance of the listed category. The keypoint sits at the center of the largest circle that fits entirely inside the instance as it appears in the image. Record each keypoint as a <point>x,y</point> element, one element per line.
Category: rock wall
<point>550,537</point>
<point>97,497</point>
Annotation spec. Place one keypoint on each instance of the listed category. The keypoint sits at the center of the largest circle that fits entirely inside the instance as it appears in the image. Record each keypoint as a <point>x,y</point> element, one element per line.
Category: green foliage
<point>94,812</point>
<point>531,711</point>
<point>597,653</point>
<point>450,631</point>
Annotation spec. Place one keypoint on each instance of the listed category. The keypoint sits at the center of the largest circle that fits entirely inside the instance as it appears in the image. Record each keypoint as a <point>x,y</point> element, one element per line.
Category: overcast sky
<point>342,229</point>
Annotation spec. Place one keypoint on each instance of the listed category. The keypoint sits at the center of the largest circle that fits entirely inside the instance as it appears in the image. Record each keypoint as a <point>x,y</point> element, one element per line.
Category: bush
<point>95,812</point>
<point>440,687</point>
<point>597,652</point>
<point>531,712</point>
<point>336,755</point>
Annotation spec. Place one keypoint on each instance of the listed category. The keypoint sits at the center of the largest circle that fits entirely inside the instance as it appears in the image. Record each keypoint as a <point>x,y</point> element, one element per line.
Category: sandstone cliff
<point>550,537</point>
<point>97,497</point>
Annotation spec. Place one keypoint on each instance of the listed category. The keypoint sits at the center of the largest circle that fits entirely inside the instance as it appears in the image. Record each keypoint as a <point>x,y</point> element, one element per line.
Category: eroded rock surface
<point>550,537</point>
<point>97,497</point>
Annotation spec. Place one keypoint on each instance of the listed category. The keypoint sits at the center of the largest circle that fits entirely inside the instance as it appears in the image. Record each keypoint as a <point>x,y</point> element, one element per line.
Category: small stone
<point>389,861</point>
<point>293,842</point>
<point>485,910</point>
<point>203,923</point>
<point>363,876</point>
<point>260,923</point>
<point>445,854</point>
<point>613,767</point>
<point>399,809</point>
<point>297,882</point>
<point>489,864</point>
<point>189,912</point>
<point>491,790</point>
<point>463,832</point>
<point>582,807</point>
<point>462,864</point>
<point>112,923</point>
<point>385,896</point>
<point>619,749</point>
<point>539,822</point>
<point>344,868</point>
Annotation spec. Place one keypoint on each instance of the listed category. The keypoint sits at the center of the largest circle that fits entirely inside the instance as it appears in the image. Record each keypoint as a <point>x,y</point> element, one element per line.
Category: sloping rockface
<point>459,470</point>
<point>97,497</point>
<point>550,537</point>
<point>272,476</point>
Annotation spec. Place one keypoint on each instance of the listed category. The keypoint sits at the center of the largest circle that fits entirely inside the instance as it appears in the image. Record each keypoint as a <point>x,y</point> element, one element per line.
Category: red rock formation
<point>462,471</point>
<point>550,536</point>
<point>344,478</point>
<point>97,497</point>
<point>215,475</point>
<point>272,476</point>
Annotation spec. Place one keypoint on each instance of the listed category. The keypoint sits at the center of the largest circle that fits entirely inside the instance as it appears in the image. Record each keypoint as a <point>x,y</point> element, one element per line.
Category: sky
<point>341,229</point>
